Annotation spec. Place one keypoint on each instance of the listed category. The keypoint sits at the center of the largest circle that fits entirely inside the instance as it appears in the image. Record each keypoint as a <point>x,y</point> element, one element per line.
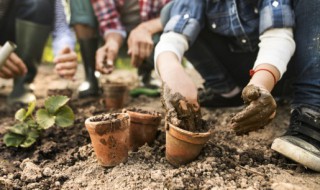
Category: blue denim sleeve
<point>276,14</point>
<point>187,18</point>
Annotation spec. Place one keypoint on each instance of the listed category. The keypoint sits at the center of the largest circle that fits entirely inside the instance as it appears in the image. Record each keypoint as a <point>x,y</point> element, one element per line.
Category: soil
<point>63,158</point>
<point>181,113</point>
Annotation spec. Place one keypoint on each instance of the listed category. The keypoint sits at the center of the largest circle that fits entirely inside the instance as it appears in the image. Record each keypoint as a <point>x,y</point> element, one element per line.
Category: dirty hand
<point>140,45</point>
<point>12,67</point>
<point>107,54</point>
<point>179,111</point>
<point>260,111</point>
<point>66,63</point>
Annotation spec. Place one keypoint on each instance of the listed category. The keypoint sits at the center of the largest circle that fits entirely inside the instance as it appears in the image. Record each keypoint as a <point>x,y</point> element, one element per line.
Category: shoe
<point>209,98</point>
<point>30,39</point>
<point>301,142</point>
<point>90,86</point>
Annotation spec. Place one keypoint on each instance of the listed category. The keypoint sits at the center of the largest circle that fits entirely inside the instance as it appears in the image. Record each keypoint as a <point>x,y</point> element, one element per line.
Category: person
<point>227,39</point>
<point>28,24</point>
<point>135,22</point>
<point>12,67</point>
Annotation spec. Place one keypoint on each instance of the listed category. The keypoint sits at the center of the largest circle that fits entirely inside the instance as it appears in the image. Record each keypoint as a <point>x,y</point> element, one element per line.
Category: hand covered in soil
<point>179,112</point>
<point>12,67</point>
<point>66,63</point>
<point>140,45</point>
<point>107,54</point>
<point>260,111</point>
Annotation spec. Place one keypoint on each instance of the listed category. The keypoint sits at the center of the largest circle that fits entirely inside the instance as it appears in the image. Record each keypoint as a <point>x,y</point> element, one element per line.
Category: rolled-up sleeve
<point>187,18</point>
<point>276,14</point>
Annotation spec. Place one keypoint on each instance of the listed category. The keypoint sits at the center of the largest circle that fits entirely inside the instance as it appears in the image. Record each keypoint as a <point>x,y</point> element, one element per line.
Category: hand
<point>260,111</point>
<point>12,67</point>
<point>106,55</point>
<point>179,111</point>
<point>66,63</point>
<point>140,45</point>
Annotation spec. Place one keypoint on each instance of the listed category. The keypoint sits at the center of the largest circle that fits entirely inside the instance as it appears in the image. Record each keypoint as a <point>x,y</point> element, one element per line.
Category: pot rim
<point>87,121</point>
<point>188,136</point>
<point>138,114</point>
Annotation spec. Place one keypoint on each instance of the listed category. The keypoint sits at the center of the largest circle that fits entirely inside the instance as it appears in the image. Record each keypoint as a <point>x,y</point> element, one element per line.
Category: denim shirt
<point>242,21</point>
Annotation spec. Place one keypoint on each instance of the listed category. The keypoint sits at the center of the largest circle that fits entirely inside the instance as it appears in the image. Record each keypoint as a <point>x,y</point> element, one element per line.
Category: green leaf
<point>52,104</point>
<point>31,138</point>
<point>31,107</point>
<point>11,139</point>
<point>19,129</point>
<point>44,119</point>
<point>20,114</point>
<point>65,117</point>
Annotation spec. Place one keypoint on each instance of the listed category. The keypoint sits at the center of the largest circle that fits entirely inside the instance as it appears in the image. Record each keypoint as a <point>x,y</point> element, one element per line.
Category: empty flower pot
<point>143,127</point>
<point>109,135</point>
<point>115,95</point>
<point>183,146</point>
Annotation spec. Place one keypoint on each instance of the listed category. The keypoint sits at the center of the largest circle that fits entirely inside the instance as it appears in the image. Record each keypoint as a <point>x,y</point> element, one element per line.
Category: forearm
<point>276,48</point>
<point>153,26</point>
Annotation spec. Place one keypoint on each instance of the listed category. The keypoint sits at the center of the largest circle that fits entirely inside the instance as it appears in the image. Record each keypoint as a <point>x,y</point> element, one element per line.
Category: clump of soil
<point>181,113</point>
<point>139,110</point>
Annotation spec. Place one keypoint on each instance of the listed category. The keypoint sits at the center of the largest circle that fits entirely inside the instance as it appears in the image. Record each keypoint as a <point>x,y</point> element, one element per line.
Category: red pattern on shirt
<point>109,17</point>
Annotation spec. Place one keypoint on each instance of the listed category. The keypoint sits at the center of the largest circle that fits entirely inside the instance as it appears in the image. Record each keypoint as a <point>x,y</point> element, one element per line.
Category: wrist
<point>114,37</point>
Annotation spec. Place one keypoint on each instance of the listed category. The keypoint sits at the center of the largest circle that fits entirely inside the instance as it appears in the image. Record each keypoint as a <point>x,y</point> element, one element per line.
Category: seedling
<point>29,127</point>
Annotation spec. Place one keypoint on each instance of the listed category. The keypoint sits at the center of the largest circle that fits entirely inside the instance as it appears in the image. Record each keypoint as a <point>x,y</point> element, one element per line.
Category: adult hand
<point>12,67</point>
<point>106,55</point>
<point>66,63</point>
<point>260,111</point>
<point>140,45</point>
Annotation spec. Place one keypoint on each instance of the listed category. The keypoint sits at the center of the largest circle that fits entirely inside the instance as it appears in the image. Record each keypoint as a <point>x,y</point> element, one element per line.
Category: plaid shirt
<point>109,17</point>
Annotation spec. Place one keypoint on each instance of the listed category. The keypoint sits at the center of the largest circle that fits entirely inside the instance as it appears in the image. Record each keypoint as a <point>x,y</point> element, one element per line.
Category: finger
<point>250,110</point>
<point>249,128</point>
<point>250,93</point>
<point>12,67</point>
<point>6,72</point>
<point>19,63</point>
<point>264,114</point>
<point>149,50</point>
<point>65,57</point>
<point>111,55</point>
<point>67,72</point>
<point>66,65</point>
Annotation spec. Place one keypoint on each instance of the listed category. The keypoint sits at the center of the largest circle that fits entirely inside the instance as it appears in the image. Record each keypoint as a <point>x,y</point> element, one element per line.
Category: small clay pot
<point>115,95</point>
<point>109,134</point>
<point>143,127</point>
<point>183,146</point>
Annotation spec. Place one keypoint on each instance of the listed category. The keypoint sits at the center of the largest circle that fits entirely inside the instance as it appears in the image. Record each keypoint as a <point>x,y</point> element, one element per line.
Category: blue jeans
<point>307,55</point>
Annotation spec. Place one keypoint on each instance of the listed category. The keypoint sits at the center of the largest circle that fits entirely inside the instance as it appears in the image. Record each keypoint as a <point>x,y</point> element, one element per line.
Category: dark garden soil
<point>64,158</point>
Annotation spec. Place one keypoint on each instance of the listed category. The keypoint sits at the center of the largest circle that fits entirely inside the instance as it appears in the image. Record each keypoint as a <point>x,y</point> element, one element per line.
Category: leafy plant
<point>29,127</point>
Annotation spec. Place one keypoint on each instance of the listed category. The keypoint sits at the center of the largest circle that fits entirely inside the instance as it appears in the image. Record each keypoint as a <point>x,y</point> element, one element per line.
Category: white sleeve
<point>173,42</point>
<point>62,34</point>
<point>276,48</point>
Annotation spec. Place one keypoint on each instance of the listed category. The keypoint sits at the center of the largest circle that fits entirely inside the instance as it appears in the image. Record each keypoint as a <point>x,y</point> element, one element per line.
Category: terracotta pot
<point>143,127</point>
<point>115,95</point>
<point>183,146</point>
<point>109,137</point>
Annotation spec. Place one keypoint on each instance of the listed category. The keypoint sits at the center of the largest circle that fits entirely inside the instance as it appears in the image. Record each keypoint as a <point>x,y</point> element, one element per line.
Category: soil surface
<point>63,158</point>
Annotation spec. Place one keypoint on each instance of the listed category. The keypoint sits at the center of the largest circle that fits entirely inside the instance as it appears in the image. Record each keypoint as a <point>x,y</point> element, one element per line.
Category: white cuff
<point>121,32</point>
<point>276,48</point>
<point>173,42</point>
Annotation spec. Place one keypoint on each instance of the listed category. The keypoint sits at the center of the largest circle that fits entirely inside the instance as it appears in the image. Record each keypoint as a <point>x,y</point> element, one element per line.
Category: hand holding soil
<point>260,111</point>
<point>179,112</point>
